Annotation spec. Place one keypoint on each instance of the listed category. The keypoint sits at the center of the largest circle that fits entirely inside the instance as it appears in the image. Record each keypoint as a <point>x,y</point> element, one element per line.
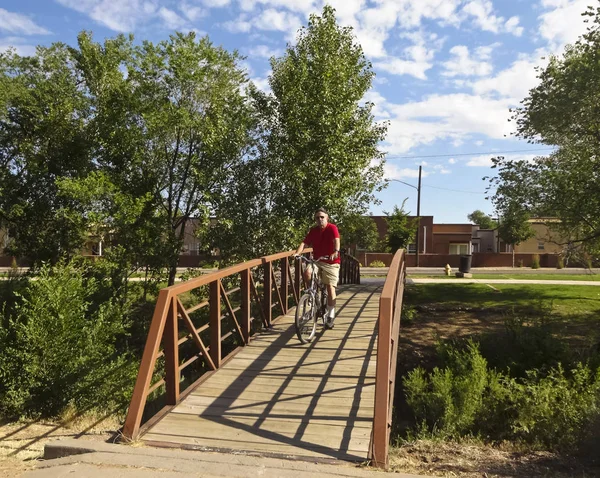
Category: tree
<point>44,113</point>
<point>359,231</point>
<point>168,133</point>
<point>401,230</point>
<point>315,146</point>
<point>562,110</point>
<point>514,227</point>
<point>482,220</point>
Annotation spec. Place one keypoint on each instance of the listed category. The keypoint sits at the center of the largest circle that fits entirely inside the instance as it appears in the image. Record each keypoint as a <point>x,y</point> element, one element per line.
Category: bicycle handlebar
<point>322,258</point>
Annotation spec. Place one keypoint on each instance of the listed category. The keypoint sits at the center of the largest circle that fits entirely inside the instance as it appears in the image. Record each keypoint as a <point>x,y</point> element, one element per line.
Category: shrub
<point>451,398</point>
<point>535,261</point>
<point>560,263</point>
<point>408,315</point>
<point>377,264</point>
<point>551,409</point>
<point>520,263</point>
<point>62,347</point>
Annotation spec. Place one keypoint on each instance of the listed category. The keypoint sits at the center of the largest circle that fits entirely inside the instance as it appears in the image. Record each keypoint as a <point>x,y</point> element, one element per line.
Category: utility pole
<point>418,215</point>
<point>417,235</point>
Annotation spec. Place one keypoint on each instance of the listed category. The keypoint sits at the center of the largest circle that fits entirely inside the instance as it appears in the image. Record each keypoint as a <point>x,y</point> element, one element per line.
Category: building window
<point>456,249</point>
<point>412,248</point>
<point>540,246</point>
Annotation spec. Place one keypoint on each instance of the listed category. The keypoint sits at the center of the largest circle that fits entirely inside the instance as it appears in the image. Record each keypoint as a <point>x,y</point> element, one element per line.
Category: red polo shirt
<point>323,241</point>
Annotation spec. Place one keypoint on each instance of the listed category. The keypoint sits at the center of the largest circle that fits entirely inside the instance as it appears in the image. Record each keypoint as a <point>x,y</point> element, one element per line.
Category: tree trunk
<point>172,273</point>
<point>513,256</point>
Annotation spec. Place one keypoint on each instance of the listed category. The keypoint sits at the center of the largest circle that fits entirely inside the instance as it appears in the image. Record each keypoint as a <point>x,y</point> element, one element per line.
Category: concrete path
<point>500,281</point>
<point>70,457</point>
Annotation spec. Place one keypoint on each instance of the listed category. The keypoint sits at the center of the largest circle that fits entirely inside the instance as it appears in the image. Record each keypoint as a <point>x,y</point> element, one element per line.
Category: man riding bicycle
<point>324,238</point>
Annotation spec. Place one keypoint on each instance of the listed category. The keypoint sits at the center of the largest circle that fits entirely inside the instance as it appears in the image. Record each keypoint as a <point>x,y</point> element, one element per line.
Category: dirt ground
<point>22,443</point>
<point>470,460</point>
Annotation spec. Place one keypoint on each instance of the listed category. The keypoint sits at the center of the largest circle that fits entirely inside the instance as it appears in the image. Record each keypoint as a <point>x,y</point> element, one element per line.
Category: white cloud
<point>263,51</point>
<point>512,26</point>
<point>452,161</point>
<point>114,14</point>
<point>417,58</point>
<point>391,171</point>
<point>272,19</point>
<point>462,64</point>
<point>192,12</point>
<point>262,84</point>
<point>485,161</point>
<point>483,16</point>
<point>562,23</point>
<point>240,25</point>
<point>216,3</point>
<point>445,117</point>
<point>20,45</point>
<point>19,24</point>
<point>513,82</point>
<point>171,19</point>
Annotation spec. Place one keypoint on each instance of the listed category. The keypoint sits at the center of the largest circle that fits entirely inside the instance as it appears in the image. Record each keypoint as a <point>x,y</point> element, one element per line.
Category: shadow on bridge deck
<point>277,397</point>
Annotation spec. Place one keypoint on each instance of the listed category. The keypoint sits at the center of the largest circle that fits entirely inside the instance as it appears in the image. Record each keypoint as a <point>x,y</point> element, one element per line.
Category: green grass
<point>565,300</point>
<point>517,276</point>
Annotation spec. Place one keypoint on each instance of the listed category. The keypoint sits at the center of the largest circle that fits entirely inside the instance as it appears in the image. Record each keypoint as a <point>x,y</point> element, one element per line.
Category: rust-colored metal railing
<point>264,283</point>
<point>172,324</point>
<point>349,270</point>
<point>390,309</point>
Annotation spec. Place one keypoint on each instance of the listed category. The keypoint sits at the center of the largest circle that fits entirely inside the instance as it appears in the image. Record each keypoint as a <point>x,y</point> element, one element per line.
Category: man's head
<point>321,217</point>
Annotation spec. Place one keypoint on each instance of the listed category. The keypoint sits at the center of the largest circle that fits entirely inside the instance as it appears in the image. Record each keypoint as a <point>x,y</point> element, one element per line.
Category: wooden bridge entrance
<point>327,400</point>
<point>279,397</point>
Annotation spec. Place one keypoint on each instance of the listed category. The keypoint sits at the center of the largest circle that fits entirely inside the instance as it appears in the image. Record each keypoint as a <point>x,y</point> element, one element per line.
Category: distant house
<point>546,240</point>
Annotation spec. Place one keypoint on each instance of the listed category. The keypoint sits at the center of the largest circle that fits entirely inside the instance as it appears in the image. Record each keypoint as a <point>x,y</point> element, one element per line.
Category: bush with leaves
<point>61,350</point>
<point>553,409</point>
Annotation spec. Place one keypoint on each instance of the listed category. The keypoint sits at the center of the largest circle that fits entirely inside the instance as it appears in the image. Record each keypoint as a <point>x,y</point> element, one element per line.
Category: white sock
<point>331,311</point>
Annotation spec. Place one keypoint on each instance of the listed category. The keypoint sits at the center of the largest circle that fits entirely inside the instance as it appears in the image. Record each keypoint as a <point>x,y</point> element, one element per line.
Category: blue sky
<point>447,70</point>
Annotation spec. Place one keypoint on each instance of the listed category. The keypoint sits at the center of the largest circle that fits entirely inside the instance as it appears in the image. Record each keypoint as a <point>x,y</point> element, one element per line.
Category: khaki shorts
<point>329,273</point>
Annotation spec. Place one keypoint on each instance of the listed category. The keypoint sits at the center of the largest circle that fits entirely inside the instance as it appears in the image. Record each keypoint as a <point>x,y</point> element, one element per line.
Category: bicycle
<point>312,304</point>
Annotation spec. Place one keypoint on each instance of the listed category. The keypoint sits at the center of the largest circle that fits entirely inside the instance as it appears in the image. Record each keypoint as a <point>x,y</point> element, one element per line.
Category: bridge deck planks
<point>278,397</point>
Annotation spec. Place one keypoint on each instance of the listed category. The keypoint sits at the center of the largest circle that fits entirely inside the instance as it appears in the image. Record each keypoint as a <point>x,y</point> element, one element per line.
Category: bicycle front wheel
<point>305,321</point>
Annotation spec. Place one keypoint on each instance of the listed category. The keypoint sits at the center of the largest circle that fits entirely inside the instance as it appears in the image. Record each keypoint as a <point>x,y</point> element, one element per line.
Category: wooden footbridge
<point>231,377</point>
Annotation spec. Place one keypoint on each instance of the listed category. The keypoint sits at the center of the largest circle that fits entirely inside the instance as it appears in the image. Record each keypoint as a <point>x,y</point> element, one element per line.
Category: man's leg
<point>331,296</point>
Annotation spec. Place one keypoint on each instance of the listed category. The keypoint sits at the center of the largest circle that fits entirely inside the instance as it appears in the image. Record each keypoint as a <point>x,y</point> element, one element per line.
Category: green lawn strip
<point>564,299</point>
<point>516,276</point>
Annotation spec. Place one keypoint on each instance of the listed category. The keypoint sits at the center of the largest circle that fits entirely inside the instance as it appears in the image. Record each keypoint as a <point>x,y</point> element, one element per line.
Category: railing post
<point>133,420</point>
<point>245,305</point>
<point>268,293</point>
<point>170,337</point>
<point>382,385</point>
<point>298,277</point>
<point>284,285</point>
<point>215,322</point>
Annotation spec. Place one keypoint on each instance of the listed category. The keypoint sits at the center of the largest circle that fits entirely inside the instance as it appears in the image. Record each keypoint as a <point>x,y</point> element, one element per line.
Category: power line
<point>454,190</point>
<point>469,154</point>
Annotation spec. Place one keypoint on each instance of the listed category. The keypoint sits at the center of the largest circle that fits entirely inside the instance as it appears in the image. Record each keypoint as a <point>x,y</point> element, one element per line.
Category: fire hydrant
<point>448,270</point>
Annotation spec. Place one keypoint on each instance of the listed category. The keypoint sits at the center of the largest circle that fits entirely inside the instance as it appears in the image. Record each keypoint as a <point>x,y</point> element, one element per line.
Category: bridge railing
<point>390,309</point>
<point>209,318</point>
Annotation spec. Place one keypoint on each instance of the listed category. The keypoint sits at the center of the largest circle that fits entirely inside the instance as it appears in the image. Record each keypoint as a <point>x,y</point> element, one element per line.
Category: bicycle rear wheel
<point>306,313</point>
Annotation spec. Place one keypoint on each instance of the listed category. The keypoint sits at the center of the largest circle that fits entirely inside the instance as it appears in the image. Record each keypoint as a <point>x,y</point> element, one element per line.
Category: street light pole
<point>418,209</point>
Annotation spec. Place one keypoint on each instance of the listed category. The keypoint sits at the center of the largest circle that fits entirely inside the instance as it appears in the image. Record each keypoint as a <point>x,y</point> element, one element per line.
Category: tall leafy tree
<point>316,140</point>
<point>171,122</point>
<point>514,227</point>
<point>44,113</point>
<point>482,220</point>
<point>359,231</point>
<point>401,229</point>
<point>562,110</point>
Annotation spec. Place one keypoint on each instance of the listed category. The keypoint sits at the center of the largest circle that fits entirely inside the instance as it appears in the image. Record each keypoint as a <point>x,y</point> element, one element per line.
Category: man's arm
<point>300,249</point>
<point>336,248</point>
